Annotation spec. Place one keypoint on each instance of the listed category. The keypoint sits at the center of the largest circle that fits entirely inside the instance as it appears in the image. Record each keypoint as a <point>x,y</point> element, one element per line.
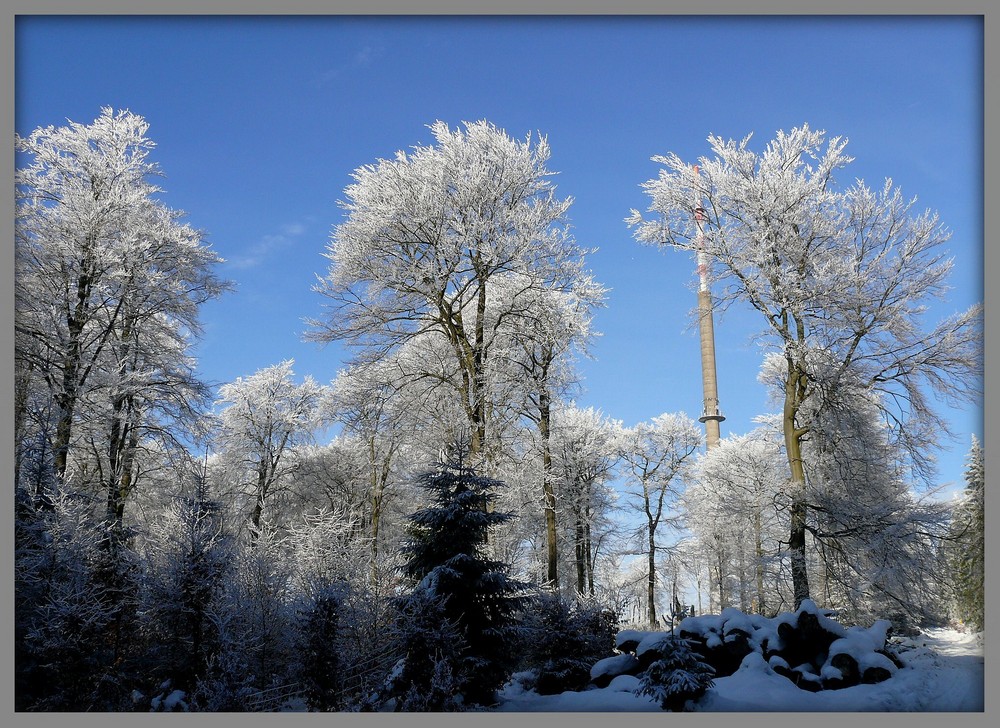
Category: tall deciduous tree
<point>107,278</point>
<point>732,506</point>
<point>841,279</point>
<point>366,401</point>
<point>585,447</point>
<point>553,326</point>
<point>654,454</point>
<point>265,415</point>
<point>427,236</point>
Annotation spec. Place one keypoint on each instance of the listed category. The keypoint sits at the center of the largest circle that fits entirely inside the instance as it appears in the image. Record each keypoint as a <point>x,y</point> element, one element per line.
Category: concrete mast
<point>711,417</point>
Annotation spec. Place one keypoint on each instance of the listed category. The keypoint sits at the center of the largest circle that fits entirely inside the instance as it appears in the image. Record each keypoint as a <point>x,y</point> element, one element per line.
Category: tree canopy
<point>841,278</point>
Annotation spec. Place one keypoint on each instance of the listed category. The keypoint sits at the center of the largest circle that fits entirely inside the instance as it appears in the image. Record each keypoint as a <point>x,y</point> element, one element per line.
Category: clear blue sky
<point>259,122</point>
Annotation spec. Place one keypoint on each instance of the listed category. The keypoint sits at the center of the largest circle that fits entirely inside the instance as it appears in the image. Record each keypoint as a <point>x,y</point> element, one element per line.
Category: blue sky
<point>259,122</point>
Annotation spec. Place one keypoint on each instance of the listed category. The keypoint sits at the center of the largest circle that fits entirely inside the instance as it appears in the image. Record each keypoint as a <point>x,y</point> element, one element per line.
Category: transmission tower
<point>710,416</point>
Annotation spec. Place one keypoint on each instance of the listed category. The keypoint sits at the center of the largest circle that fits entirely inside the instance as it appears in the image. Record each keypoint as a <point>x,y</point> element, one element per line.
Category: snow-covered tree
<point>679,676</point>
<point>554,326</point>
<point>108,281</point>
<point>585,448</point>
<point>875,540</point>
<point>365,400</point>
<point>446,560</point>
<point>188,557</point>
<point>319,625</point>
<point>331,477</point>
<point>968,531</point>
<point>426,678</point>
<point>426,238</point>
<point>655,454</point>
<point>76,634</point>
<point>564,637</point>
<point>264,416</point>
<point>732,506</point>
<point>256,619</point>
<point>847,273</point>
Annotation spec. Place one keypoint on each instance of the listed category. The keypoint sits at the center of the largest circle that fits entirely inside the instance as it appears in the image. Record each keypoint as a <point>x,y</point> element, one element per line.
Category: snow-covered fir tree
<point>446,560</point>
<point>678,676</point>
<point>968,553</point>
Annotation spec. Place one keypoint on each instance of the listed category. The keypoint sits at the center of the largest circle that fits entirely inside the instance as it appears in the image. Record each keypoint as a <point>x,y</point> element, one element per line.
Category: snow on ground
<point>943,672</point>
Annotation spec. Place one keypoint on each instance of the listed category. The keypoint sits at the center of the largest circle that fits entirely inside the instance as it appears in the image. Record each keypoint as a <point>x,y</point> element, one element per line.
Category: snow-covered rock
<point>628,639</point>
<point>604,671</point>
<point>624,684</point>
<point>173,702</point>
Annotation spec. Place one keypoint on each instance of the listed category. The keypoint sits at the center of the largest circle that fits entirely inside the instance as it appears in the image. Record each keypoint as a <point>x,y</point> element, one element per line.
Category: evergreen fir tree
<point>969,529</point>
<point>679,676</point>
<point>319,632</point>
<point>446,560</point>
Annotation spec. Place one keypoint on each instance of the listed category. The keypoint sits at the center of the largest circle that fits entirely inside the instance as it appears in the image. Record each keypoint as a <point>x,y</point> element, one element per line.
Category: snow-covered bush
<point>188,559</point>
<point>73,646</point>
<point>426,679</point>
<point>808,646</point>
<point>563,637</point>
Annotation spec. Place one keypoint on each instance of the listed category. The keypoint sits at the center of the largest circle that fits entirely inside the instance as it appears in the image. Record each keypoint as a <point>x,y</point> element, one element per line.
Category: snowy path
<point>951,665</point>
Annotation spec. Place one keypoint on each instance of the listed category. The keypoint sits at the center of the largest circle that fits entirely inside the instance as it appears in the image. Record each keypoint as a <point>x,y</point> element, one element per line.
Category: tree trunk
<point>118,464</point>
<point>379,477</point>
<point>584,552</point>
<point>580,555</point>
<point>720,578</point>
<point>759,566</point>
<point>258,506</point>
<point>651,582</point>
<point>794,388</point>
<point>22,383</point>
<point>479,377</point>
<point>65,404</point>
<point>545,432</point>
<point>71,376</point>
<point>589,552</point>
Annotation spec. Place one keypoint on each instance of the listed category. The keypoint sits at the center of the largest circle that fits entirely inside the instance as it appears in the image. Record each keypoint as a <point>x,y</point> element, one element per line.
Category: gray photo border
<point>991,257</point>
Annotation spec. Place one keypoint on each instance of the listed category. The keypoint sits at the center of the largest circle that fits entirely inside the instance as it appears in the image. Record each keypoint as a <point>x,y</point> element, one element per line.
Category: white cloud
<point>267,245</point>
<point>363,58</point>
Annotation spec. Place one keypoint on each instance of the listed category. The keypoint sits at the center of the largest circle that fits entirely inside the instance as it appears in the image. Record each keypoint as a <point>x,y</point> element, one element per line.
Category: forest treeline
<point>465,515</point>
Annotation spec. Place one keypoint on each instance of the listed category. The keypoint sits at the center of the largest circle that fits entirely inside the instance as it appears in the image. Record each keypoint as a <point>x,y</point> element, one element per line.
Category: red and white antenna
<point>711,417</point>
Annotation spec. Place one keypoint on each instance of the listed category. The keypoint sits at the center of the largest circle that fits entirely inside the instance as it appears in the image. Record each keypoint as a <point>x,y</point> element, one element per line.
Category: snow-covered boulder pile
<point>807,646</point>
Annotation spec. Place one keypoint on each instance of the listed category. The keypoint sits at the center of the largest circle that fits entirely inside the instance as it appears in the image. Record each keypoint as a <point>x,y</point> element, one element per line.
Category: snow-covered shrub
<point>67,659</point>
<point>426,678</point>
<point>677,677</point>
<point>261,606</point>
<point>438,696</point>
<point>562,639</point>
<point>228,679</point>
